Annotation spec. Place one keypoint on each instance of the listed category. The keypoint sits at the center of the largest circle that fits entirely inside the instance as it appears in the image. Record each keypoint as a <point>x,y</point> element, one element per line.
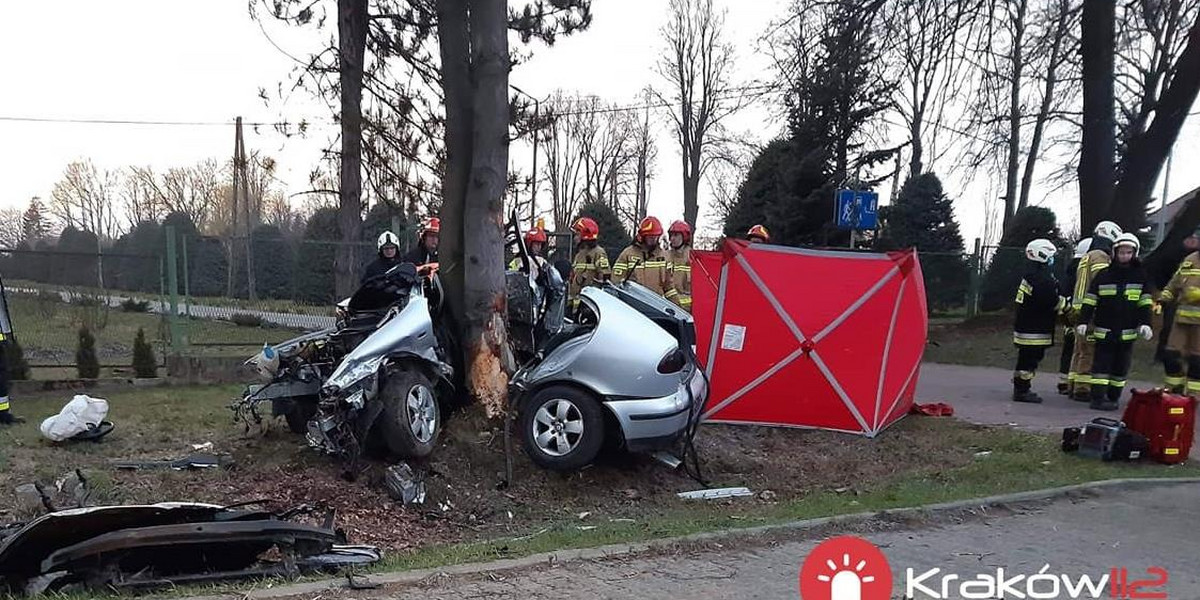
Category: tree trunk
<point>1146,152</point>
<point>1039,126</point>
<point>1014,114</point>
<point>455,47</point>
<point>485,298</point>
<point>1098,143</point>
<point>352,42</point>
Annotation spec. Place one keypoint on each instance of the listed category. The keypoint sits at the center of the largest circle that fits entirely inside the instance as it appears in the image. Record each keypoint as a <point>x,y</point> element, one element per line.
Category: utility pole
<point>537,129</point>
<point>1162,205</point>
<point>232,234</point>
<point>242,196</point>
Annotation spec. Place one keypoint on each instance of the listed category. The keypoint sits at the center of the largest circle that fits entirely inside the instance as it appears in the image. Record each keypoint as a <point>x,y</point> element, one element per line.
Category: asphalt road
<point>1153,527</point>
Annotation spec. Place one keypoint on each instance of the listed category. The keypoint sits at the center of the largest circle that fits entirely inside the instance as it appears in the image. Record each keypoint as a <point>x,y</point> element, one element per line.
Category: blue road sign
<point>857,210</point>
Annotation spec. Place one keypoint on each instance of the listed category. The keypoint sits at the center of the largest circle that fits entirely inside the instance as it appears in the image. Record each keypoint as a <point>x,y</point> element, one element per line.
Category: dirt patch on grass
<point>465,502</point>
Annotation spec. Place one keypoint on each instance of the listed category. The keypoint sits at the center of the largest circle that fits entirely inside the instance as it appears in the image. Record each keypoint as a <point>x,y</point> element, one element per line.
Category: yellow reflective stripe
<point>4,405</point>
<point>1126,337</point>
<point>1089,300</point>
<point>1098,267</point>
<point>1117,383</point>
<point>1024,375</point>
<point>1098,380</point>
<point>1189,272</point>
<point>1107,292</point>
<point>1072,376</point>
<point>1166,296</point>
<point>1020,341</point>
<point>1146,301</point>
<point>1172,381</point>
<point>1188,313</point>
<point>671,293</point>
<point>685,301</point>
<point>1193,386</point>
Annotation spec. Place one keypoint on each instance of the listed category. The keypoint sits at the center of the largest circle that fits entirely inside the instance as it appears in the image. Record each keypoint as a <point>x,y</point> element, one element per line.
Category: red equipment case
<point>1167,420</point>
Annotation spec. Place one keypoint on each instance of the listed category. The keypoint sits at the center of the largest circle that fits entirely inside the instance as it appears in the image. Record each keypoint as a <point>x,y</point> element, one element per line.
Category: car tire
<point>562,428</point>
<point>301,412</point>
<point>412,418</point>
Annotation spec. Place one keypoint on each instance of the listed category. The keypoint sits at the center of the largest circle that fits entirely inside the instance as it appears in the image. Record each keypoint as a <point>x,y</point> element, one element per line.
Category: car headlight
<point>350,374</point>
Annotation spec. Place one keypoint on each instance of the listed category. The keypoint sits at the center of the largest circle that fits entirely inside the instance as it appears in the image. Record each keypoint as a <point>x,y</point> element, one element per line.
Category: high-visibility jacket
<point>681,261</point>
<point>1184,289</point>
<point>590,267</point>
<point>1038,304</point>
<point>1092,263</point>
<point>650,268</point>
<point>1117,303</point>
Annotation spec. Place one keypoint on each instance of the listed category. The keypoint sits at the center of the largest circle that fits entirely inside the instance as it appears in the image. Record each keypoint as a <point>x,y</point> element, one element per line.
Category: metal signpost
<point>856,211</point>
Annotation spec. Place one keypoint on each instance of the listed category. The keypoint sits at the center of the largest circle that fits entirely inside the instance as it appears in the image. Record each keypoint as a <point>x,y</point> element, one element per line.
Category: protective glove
<point>1157,308</point>
<point>1146,332</point>
<point>1081,330</point>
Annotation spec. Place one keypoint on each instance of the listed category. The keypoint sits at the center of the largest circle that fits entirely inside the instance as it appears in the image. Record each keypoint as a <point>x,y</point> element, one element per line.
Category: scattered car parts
<point>150,546</point>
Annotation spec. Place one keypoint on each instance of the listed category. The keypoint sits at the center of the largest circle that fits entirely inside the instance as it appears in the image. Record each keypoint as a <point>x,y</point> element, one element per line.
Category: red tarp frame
<point>809,338</point>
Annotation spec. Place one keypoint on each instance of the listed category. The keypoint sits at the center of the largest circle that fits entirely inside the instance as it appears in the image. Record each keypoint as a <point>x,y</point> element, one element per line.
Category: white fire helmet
<point>1108,230</point>
<point>1040,250</point>
<point>1082,247</point>
<point>387,238</point>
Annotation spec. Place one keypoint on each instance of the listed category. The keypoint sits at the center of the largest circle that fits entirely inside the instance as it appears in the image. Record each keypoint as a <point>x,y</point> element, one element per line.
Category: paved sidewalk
<point>983,395</point>
<point>1135,529</point>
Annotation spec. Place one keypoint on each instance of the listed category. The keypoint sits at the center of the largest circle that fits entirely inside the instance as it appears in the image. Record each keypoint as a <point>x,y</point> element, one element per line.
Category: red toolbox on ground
<point>1167,420</point>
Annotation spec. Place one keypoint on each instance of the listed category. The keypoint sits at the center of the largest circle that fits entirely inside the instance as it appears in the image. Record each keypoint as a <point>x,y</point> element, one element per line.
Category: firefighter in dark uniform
<point>388,247</point>
<point>6,336</point>
<point>1038,306</point>
<point>426,251</point>
<point>1096,260</point>
<point>1067,289</point>
<point>1116,311</point>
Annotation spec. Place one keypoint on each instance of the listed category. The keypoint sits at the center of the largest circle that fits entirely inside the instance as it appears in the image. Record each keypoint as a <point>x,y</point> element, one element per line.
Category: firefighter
<point>535,242</point>
<point>1116,311</point>
<point>388,247</point>
<point>679,235</point>
<point>645,262</point>
<point>427,243</point>
<point>1038,305</point>
<point>590,265</point>
<point>758,234</point>
<point>6,334</point>
<point>1067,290</point>
<point>1096,260</point>
<point>1183,292</point>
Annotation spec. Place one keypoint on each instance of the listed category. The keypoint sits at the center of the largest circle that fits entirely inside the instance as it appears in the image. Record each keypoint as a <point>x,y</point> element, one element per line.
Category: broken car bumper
<point>656,423</point>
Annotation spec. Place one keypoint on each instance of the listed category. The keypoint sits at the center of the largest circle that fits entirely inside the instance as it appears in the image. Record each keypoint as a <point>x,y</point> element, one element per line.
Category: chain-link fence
<point>55,296</point>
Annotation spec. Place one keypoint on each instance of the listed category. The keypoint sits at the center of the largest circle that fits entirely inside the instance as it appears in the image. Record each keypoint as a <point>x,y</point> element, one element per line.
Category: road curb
<point>599,552</point>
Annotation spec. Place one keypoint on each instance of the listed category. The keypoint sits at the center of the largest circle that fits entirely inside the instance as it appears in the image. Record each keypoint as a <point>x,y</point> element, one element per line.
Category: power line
<point>141,122</point>
<point>732,93</point>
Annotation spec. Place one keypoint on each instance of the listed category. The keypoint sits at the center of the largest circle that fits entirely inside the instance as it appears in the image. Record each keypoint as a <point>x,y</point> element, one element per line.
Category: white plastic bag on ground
<point>75,417</point>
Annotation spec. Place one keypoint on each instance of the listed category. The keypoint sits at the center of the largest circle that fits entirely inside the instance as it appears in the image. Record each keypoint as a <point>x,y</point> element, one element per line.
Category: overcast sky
<point>177,60</point>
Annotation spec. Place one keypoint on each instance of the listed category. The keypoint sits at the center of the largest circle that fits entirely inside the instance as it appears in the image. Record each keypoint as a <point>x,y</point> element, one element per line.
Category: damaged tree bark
<point>475,65</point>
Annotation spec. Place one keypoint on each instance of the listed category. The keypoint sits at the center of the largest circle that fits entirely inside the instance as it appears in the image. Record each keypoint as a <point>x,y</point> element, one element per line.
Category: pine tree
<point>1008,265</point>
<point>922,217</point>
<point>836,92</point>
<point>613,236</point>
<point>86,362</point>
<point>34,225</point>
<point>144,362</point>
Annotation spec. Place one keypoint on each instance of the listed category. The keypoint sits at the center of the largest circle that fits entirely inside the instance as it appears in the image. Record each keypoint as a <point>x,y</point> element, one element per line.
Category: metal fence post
<point>173,291</point>
<point>976,277</point>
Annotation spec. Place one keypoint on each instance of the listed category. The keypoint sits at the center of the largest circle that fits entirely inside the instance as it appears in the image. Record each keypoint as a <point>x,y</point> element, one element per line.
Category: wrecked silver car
<point>375,380</point>
<point>622,369</point>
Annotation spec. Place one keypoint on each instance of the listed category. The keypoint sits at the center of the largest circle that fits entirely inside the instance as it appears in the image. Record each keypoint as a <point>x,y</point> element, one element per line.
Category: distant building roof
<point>1170,211</point>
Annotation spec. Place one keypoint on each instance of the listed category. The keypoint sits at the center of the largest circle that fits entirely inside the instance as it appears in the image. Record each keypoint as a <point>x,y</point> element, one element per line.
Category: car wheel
<point>301,412</point>
<point>411,419</point>
<point>562,428</point>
